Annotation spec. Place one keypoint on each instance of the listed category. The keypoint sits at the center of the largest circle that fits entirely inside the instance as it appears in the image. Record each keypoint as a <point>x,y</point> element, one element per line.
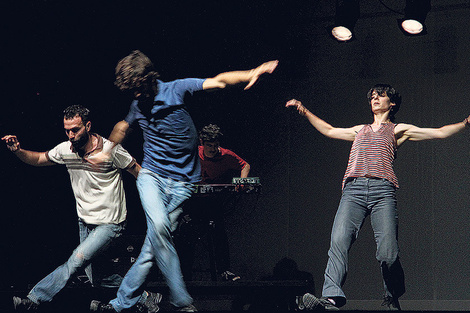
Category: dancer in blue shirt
<point>170,166</point>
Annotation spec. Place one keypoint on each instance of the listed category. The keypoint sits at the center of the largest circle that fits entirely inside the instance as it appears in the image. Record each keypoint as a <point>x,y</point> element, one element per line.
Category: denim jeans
<point>362,197</point>
<point>94,239</point>
<point>161,200</point>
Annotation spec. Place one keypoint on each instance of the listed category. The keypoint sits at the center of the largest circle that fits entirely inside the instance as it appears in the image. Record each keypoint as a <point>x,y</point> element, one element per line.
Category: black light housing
<point>416,12</point>
<point>347,14</point>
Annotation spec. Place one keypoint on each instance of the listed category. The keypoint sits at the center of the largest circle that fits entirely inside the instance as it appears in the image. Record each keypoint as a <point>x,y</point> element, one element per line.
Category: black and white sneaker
<point>229,276</point>
<point>98,306</point>
<point>309,302</point>
<point>22,305</point>
<point>150,305</point>
<point>391,303</point>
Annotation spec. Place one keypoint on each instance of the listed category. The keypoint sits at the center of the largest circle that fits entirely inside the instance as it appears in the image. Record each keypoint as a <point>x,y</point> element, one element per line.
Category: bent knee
<point>78,259</point>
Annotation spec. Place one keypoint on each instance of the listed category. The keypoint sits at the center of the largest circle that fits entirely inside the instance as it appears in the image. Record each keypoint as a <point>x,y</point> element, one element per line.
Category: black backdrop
<point>55,54</point>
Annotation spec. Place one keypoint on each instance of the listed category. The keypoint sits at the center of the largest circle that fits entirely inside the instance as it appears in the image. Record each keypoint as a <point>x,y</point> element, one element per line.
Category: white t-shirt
<point>99,191</point>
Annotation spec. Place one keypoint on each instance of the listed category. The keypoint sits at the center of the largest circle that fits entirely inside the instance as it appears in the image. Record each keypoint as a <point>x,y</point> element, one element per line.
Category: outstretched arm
<point>29,157</point>
<point>236,77</point>
<point>323,127</point>
<point>406,132</point>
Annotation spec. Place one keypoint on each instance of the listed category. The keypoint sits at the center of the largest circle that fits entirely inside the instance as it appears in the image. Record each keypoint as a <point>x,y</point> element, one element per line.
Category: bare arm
<point>117,136</point>
<point>236,77</point>
<point>29,157</point>
<point>119,132</point>
<point>134,169</point>
<point>245,171</point>
<point>323,127</point>
<point>405,132</point>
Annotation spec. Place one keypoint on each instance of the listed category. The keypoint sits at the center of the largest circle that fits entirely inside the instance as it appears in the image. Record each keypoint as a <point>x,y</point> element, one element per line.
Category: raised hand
<point>297,105</point>
<point>12,142</point>
<point>267,67</point>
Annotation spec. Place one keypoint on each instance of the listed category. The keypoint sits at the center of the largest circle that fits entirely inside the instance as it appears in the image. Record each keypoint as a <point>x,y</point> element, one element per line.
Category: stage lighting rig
<point>348,11</point>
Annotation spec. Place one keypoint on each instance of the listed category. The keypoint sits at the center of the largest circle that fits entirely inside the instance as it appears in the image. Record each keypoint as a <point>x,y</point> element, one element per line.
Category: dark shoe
<point>150,304</point>
<point>391,303</point>
<point>310,302</point>
<point>98,306</point>
<point>25,304</point>
<point>229,276</point>
<point>327,305</point>
<point>188,308</point>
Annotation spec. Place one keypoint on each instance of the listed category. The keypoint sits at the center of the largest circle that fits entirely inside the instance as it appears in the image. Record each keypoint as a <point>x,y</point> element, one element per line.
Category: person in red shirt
<point>218,166</point>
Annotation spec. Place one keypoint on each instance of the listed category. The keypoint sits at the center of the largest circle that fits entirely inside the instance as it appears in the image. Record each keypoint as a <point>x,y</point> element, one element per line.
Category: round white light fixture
<point>341,33</point>
<point>412,26</point>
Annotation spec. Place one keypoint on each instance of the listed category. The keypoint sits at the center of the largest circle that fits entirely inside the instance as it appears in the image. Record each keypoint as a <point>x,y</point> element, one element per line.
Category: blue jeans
<point>161,200</point>
<point>94,239</point>
<point>362,197</point>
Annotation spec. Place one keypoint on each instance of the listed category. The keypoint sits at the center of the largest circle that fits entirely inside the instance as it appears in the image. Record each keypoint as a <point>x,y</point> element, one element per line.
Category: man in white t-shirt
<point>99,195</point>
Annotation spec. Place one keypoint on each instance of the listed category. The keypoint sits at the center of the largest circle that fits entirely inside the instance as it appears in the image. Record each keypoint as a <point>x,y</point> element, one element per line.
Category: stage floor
<point>250,296</point>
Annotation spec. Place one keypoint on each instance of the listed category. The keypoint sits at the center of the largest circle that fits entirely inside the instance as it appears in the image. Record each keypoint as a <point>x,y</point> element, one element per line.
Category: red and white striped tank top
<point>372,154</point>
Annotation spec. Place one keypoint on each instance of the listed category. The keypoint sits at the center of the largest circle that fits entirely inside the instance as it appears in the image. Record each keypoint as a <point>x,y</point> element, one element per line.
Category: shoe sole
<point>94,306</point>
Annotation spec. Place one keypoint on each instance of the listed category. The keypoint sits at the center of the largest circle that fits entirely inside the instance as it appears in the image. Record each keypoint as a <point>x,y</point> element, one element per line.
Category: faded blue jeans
<point>161,200</point>
<point>94,239</point>
<point>362,197</point>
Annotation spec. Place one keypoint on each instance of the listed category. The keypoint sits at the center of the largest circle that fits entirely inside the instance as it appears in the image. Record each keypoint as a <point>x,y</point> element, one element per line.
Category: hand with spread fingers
<point>267,67</point>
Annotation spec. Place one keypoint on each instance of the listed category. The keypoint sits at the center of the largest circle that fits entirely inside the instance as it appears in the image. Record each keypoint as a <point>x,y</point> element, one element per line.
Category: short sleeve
<point>55,154</point>
<point>131,117</point>
<point>189,85</point>
<point>237,162</point>
<point>121,158</point>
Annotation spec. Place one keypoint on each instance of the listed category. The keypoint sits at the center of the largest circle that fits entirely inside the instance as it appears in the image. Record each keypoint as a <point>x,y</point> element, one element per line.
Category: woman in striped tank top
<point>369,186</point>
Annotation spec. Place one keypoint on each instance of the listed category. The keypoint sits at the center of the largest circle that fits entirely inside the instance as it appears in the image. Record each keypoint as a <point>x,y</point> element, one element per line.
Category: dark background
<point>58,53</point>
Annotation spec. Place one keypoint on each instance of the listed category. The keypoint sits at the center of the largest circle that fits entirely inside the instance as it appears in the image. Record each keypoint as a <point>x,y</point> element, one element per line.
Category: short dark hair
<point>74,110</point>
<point>394,96</point>
<point>135,72</point>
<point>210,133</point>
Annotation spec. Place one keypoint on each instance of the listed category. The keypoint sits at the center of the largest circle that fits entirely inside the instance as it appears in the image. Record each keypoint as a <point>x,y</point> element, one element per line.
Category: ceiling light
<point>347,14</point>
<point>415,15</point>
